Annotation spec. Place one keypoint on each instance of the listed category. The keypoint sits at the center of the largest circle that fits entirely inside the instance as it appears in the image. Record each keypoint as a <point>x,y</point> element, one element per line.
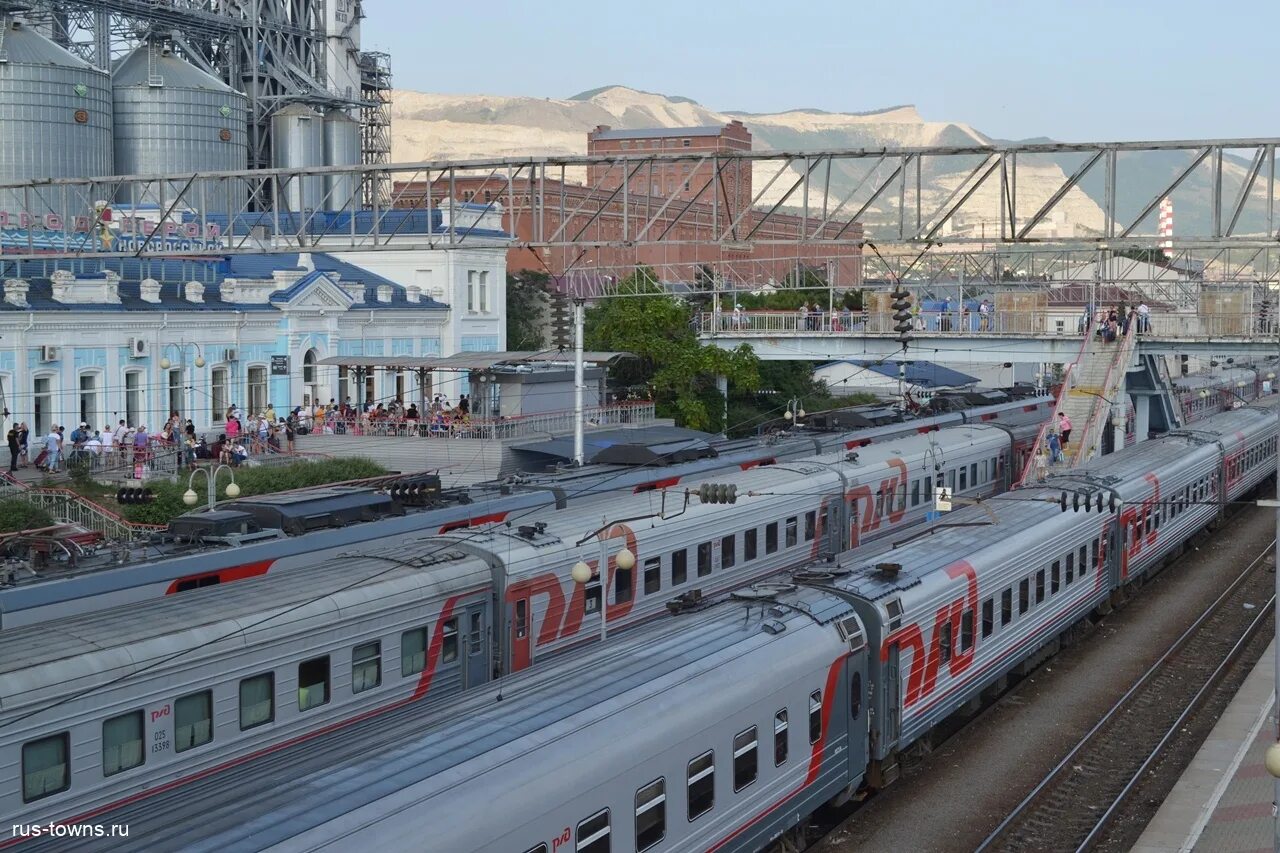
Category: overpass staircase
<point>1089,387</point>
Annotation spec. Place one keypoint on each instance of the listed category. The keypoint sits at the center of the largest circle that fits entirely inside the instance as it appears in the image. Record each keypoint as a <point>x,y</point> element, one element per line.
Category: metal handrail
<point>630,412</point>
<point>1124,350</point>
<point>1063,390</point>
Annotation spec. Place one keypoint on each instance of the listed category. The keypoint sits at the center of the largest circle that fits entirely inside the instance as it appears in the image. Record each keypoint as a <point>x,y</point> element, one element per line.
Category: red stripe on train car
<point>1029,408</point>
<point>990,416</point>
<point>857,442</point>
<point>235,573</point>
<point>491,518</point>
<point>656,484</point>
<point>424,682</point>
<point>815,755</point>
<point>922,430</point>
<point>747,466</point>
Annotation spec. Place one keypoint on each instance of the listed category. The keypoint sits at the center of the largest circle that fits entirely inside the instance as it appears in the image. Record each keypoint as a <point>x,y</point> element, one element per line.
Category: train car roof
<point>582,700</point>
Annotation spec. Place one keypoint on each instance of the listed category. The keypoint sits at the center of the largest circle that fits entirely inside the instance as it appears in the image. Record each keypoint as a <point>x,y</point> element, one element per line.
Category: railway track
<point>1081,798</point>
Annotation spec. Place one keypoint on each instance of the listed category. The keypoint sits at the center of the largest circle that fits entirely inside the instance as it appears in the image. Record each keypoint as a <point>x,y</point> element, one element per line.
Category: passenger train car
<point>462,608</point>
<point>300,529</point>
<point>748,713</point>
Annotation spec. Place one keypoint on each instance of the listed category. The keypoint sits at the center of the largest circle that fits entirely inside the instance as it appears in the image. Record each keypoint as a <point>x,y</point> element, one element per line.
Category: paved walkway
<point>1223,802</point>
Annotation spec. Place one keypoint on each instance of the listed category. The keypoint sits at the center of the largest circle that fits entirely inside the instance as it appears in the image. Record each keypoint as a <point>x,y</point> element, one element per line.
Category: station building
<point>100,340</point>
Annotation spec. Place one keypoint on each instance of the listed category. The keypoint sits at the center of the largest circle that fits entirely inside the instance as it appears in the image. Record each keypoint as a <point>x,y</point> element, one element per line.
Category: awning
<point>466,361</point>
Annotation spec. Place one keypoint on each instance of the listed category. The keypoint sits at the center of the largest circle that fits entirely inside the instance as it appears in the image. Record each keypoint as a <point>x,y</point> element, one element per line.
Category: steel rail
<point>1121,704</point>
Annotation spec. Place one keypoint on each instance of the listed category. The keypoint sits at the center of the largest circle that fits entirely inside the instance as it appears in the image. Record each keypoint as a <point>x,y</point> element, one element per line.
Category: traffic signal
<point>415,491</point>
<point>718,493</point>
<point>134,496</point>
<point>901,306</point>
<point>561,316</point>
<point>1089,503</point>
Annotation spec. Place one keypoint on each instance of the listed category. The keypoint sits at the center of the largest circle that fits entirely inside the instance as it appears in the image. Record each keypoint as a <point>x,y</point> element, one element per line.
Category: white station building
<point>100,340</point>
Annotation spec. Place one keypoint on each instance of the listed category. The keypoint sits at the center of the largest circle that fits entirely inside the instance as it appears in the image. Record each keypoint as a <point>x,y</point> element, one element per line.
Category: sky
<point>1086,70</point>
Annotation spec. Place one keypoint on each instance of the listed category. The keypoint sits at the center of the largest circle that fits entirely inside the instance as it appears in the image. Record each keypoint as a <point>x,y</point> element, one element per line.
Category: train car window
<point>728,551</point>
<point>964,478</point>
<point>623,583</point>
<point>780,738</point>
<point>1006,606</point>
<point>944,642</point>
<point>122,743</point>
<point>593,834</point>
<point>1024,595</point>
<point>651,814</point>
<point>257,700</point>
<point>475,642</point>
<point>749,538</point>
<point>988,617</point>
<point>652,575</point>
<point>1084,560</point>
<point>966,630</point>
<point>1040,586</point>
<point>704,559</point>
<point>521,625</point>
<point>1071,569</point>
<point>541,848</point>
<point>413,651</point>
<point>791,532</point>
<point>702,784</point>
<point>45,767</point>
<point>449,645</point>
<point>810,526</point>
<point>855,695</point>
<point>928,488</point>
<point>815,716</point>
<point>951,479</point>
<point>771,537</point>
<point>901,493</point>
<point>973,474</point>
<point>915,493</point>
<point>679,567</point>
<point>591,597</point>
<point>879,510</point>
<point>1055,577</point>
<point>366,664</point>
<point>313,683</point>
<point>746,766</point>
<point>192,720</point>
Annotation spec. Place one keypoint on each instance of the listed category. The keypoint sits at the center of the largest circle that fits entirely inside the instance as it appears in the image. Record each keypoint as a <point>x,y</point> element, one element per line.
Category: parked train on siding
<point>861,663</point>
<point>265,535</point>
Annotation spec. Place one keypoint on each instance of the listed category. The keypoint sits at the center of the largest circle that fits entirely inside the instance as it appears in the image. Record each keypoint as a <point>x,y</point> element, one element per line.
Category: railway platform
<point>1223,801</point>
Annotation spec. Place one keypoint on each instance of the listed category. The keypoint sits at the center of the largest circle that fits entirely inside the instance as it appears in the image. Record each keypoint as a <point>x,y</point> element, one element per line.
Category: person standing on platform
<point>14,447</point>
<point>1144,317</point>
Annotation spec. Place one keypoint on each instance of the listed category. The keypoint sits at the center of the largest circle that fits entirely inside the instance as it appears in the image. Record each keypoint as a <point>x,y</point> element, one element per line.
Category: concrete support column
<point>722,385</point>
<point>1142,416</point>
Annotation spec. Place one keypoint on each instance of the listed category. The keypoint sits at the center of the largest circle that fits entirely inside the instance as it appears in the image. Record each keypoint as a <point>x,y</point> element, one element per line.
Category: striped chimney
<point>1166,226</point>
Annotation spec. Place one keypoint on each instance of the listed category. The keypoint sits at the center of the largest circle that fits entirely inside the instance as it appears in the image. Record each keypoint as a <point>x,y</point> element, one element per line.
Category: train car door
<point>832,529</point>
<point>891,719</point>
<point>520,643</point>
<point>475,669</point>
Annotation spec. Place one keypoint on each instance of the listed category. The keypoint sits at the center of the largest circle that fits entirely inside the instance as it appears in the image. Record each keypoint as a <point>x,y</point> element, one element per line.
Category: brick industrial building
<point>683,237</point>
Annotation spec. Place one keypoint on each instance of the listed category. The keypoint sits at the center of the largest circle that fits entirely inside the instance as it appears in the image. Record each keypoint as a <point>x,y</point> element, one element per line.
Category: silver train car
<point>724,729</point>
<point>275,535</point>
<point>462,609</point>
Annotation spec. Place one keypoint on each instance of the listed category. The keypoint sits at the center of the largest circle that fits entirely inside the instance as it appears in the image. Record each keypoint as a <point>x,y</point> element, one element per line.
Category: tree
<point>528,298</point>
<point>679,373</point>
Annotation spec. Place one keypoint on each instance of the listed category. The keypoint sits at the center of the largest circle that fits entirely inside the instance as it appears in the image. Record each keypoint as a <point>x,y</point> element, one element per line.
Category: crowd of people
<point>1116,322</point>
<point>441,418</point>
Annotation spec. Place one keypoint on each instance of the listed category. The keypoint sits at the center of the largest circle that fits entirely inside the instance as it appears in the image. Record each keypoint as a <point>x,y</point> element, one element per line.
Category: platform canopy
<point>467,361</point>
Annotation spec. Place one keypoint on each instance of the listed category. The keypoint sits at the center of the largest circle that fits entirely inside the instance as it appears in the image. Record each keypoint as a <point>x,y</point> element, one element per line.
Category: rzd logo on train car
<point>1132,521</point>
<point>922,677</point>
<point>562,840</point>
<point>868,512</point>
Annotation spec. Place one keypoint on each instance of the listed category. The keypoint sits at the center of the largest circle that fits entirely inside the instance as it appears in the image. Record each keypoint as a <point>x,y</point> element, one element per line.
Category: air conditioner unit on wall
<point>138,348</point>
<point>48,354</point>
<point>230,354</point>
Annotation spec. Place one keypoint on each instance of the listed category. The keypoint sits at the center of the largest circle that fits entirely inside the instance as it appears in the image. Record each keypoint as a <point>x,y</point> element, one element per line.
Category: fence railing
<point>1042,322</point>
<point>73,508</point>
<point>633,413</point>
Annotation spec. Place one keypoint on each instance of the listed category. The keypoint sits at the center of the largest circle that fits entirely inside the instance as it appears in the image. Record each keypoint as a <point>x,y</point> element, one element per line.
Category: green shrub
<point>252,481</point>
<point>16,514</point>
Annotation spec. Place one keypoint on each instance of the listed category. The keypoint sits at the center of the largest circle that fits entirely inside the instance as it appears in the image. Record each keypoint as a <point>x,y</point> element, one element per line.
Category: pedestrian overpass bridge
<point>963,337</point>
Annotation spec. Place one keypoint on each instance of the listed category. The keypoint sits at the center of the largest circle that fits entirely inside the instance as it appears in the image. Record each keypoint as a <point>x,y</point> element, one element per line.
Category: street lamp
<point>190,498</point>
<point>165,364</point>
<point>582,574</point>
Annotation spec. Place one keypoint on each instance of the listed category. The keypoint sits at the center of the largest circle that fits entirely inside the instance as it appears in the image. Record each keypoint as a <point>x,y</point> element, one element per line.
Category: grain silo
<point>341,148</point>
<point>55,122</point>
<point>297,141</point>
<point>173,118</point>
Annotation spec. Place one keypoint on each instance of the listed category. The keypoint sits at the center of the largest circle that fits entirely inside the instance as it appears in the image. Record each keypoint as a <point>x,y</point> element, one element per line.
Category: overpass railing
<point>1068,322</point>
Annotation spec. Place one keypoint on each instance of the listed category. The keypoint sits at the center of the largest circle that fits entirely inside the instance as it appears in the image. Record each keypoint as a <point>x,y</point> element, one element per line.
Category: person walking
<point>1064,427</point>
<point>24,437</point>
<point>1055,449</point>
<point>14,448</point>
<point>984,316</point>
<point>1144,317</point>
<point>1042,465</point>
<point>52,449</point>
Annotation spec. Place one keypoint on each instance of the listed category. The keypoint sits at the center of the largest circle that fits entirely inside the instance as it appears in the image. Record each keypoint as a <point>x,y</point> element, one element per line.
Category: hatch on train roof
<point>337,506</point>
